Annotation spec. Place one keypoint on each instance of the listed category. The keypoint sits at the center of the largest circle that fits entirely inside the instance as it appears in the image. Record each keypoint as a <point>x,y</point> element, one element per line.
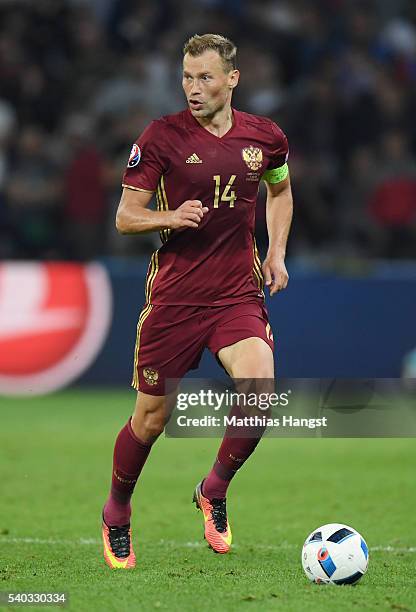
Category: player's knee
<point>252,369</point>
<point>249,359</point>
<point>262,370</point>
<point>149,419</point>
<point>153,423</point>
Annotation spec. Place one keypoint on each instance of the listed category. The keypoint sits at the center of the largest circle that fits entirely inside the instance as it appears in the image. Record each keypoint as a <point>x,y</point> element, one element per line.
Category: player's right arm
<point>133,216</point>
<point>145,167</point>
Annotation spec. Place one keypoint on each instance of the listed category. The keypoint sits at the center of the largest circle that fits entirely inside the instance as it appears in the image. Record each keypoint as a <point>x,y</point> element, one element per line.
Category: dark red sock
<point>231,456</point>
<point>129,457</point>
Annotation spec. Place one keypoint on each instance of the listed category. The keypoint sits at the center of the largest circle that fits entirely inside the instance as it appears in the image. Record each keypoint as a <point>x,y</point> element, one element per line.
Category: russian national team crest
<point>151,376</point>
<point>54,319</point>
<point>253,156</point>
<point>135,155</point>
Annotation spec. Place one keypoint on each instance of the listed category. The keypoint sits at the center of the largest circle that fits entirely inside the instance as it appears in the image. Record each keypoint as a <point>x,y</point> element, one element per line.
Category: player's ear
<point>233,78</point>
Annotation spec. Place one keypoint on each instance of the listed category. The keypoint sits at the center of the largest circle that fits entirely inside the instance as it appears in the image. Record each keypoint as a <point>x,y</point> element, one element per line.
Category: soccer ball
<point>335,554</point>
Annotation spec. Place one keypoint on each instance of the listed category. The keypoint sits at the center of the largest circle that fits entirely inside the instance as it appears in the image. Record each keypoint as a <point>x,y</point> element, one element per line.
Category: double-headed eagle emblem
<point>151,376</point>
<point>253,156</point>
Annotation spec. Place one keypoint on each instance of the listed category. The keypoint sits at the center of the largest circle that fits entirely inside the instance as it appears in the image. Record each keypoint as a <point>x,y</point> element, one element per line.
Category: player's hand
<point>275,274</point>
<point>189,214</point>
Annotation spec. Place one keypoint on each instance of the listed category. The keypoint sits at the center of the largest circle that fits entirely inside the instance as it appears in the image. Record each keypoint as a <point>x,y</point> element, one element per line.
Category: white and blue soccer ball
<point>335,554</point>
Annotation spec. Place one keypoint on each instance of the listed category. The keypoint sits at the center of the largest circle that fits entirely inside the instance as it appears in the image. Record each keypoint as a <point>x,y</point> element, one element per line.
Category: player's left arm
<point>279,211</point>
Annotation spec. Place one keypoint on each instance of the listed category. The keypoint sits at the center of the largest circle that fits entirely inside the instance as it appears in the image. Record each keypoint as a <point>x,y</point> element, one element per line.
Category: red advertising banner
<point>54,319</point>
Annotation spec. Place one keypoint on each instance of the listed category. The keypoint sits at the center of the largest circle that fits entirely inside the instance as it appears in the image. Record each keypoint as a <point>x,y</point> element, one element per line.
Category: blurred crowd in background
<point>80,79</point>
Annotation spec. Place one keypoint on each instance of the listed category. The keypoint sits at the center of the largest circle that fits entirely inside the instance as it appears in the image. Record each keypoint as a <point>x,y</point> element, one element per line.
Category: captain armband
<point>276,175</point>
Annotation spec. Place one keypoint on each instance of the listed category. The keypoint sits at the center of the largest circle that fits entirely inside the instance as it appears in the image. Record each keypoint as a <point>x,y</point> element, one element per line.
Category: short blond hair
<point>225,48</point>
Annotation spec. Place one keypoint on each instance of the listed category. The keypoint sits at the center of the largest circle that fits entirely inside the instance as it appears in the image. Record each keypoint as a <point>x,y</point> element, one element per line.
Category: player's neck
<point>220,123</point>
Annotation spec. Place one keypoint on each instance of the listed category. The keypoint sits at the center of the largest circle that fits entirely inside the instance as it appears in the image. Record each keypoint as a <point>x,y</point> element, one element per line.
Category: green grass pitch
<point>55,465</point>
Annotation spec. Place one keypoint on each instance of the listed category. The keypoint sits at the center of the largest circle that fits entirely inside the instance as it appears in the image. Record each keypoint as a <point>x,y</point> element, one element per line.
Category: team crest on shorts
<point>135,155</point>
<point>151,376</point>
<point>253,156</point>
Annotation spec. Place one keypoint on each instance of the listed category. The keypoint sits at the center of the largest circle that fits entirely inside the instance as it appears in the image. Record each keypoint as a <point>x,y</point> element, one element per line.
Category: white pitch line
<point>396,549</point>
<point>173,543</point>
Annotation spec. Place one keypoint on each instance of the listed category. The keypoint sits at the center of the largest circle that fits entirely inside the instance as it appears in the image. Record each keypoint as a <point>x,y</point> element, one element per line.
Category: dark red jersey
<point>217,263</point>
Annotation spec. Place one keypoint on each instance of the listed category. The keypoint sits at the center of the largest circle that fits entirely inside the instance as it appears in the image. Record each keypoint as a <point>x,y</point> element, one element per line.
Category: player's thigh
<point>248,358</point>
<point>242,341</point>
<point>168,345</point>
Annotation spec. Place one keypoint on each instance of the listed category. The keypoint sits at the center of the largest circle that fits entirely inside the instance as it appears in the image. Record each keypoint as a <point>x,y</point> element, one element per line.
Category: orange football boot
<point>217,529</point>
<point>118,549</point>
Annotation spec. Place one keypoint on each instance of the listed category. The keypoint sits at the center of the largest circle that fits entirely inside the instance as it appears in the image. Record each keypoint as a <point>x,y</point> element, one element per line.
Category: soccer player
<point>204,286</point>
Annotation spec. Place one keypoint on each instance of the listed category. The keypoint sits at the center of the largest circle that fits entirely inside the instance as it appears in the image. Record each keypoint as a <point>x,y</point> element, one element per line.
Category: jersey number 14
<point>228,194</point>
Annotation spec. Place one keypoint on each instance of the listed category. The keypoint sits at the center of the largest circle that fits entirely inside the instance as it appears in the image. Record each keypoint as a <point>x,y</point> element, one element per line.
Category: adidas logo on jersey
<point>194,159</point>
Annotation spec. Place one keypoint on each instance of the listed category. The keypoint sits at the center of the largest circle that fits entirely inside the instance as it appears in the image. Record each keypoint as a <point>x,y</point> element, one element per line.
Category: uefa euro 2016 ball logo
<point>135,155</point>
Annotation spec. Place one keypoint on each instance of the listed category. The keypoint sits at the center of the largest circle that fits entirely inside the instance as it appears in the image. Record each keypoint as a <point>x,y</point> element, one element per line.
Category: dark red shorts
<point>171,339</point>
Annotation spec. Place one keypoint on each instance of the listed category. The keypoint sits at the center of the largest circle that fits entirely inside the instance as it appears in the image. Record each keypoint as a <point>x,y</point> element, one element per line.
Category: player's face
<point>208,87</point>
